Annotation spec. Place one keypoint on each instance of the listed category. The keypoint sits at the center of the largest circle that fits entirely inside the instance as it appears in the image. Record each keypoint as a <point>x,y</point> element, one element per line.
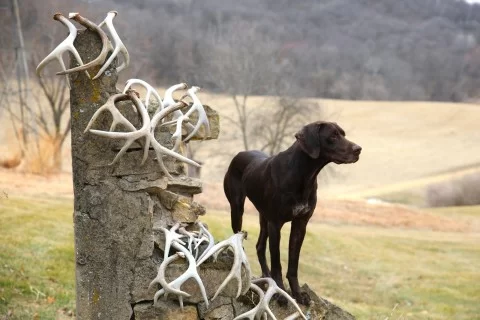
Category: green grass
<point>374,273</point>
<point>36,258</point>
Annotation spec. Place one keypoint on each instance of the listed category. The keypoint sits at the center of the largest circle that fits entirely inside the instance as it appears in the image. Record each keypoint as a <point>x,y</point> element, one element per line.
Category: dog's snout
<point>357,149</point>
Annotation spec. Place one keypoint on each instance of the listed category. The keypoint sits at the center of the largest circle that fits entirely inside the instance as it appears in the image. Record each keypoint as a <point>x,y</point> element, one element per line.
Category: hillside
<point>341,49</point>
<point>402,143</point>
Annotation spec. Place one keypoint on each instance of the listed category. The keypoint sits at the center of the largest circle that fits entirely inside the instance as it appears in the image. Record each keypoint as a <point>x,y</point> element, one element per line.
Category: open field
<point>406,145</point>
<point>377,260</point>
<point>372,271</point>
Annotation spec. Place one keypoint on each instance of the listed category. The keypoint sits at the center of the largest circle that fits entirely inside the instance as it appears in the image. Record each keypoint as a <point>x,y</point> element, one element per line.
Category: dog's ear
<point>309,141</point>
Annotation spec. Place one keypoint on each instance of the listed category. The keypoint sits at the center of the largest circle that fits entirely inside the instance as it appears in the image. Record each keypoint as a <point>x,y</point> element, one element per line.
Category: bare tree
<point>275,128</point>
<point>241,64</point>
<point>53,118</point>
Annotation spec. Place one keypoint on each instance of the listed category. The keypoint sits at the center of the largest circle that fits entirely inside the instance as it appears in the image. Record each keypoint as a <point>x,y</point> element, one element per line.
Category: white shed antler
<point>118,118</point>
<point>119,46</point>
<point>235,243</point>
<point>262,308</point>
<point>105,43</point>
<point>166,288</point>
<point>66,45</point>
<point>171,236</point>
<point>202,115</point>
<point>211,240</point>
<point>178,117</point>
<point>173,239</point>
<point>147,130</point>
<point>174,286</point>
<point>150,90</point>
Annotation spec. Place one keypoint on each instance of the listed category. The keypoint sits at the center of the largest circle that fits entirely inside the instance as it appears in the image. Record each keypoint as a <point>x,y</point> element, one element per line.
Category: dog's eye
<point>332,139</point>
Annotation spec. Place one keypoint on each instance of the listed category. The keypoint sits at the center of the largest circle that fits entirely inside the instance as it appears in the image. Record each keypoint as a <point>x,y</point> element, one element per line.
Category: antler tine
<point>191,236</point>
<point>159,149</point>
<point>252,314</point>
<point>150,90</point>
<point>129,136</point>
<point>174,286</point>
<point>171,236</point>
<point>65,45</point>
<point>166,288</point>
<point>168,97</point>
<point>119,46</point>
<point>191,271</point>
<point>211,240</point>
<point>202,116</point>
<point>118,118</point>
<point>235,242</point>
<point>105,43</point>
<point>271,291</point>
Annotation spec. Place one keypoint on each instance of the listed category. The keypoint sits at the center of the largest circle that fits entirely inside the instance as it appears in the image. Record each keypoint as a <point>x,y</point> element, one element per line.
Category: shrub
<point>464,191</point>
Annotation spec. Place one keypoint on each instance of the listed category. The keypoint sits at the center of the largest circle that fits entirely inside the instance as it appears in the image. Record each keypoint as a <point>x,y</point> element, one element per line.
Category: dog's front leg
<point>297,234</point>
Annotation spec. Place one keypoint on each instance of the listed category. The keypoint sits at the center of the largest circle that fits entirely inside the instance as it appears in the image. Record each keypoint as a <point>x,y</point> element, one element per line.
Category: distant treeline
<point>348,49</point>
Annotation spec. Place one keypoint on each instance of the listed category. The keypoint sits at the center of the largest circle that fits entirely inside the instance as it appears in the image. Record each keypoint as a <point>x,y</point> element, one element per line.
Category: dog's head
<point>327,139</point>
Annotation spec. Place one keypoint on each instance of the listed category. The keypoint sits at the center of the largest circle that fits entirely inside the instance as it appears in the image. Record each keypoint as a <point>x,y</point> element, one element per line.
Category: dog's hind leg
<point>262,247</point>
<point>232,185</point>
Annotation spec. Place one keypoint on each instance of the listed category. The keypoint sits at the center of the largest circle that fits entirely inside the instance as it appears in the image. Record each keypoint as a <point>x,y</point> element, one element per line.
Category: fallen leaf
<point>50,300</point>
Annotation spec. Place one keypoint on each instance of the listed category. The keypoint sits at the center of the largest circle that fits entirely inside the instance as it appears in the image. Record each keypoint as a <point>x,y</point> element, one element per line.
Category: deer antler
<point>235,243</point>
<point>147,130</point>
<point>178,117</point>
<point>118,118</point>
<point>105,43</point>
<point>262,307</point>
<point>66,45</point>
<point>172,238</point>
<point>211,240</point>
<point>168,288</point>
<point>150,90</point>
<point>119,46</point>
<point>202,115</point>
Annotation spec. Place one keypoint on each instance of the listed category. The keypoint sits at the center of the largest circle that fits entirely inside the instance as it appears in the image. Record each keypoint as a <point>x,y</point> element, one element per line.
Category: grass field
<point>37,279</point>
<point>373,272</point>
<point>377,261</point>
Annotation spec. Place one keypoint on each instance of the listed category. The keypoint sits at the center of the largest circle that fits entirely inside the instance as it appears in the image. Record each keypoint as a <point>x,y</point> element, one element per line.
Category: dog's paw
<point>302,298</point>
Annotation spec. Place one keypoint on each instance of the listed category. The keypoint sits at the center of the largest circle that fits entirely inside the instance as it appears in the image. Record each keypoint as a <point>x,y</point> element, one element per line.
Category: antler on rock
<point>119,46</point>
<point>105,43</point>
<point>66,45</point>
<point>262,308</point>
<point>173,239</point>
<point>235,243</point>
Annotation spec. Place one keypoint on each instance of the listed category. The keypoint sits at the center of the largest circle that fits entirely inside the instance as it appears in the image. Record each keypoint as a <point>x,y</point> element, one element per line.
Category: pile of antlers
<point>187,246</point>
<point>149,125</point>
<point>190,249</point>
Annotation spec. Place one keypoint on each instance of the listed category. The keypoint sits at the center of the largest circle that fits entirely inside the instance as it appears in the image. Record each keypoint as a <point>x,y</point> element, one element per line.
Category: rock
<point>323,309</point>
<point>219,309</point>
<point>154,187</point>
<point>186,210</point>
<point>164,310</point>
<point>185,185</point>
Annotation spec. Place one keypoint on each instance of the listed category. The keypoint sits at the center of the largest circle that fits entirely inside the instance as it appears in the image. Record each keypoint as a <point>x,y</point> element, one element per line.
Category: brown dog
<point>284,188</point>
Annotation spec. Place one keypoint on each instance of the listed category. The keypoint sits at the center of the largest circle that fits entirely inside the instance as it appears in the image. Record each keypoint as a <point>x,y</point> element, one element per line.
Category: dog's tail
<point>232,185</point>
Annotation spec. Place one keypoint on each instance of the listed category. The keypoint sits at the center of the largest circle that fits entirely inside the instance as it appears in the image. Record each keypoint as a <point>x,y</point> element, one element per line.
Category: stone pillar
<point>119,209</point>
